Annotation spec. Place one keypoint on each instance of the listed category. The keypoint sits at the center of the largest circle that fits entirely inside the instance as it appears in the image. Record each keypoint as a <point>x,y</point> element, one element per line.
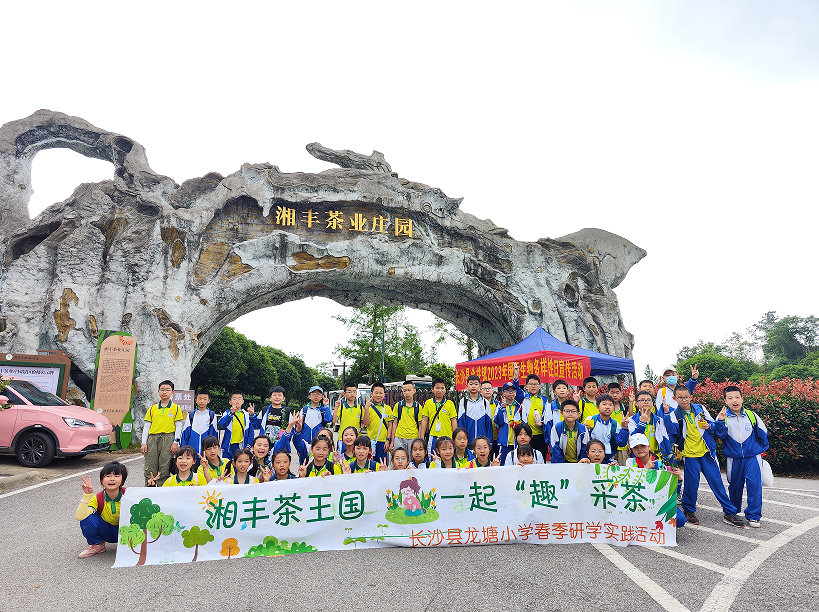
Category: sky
<point>688,127</point>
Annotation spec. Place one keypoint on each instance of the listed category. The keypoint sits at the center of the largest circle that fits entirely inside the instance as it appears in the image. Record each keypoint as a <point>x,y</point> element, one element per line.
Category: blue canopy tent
<point>541,340</point>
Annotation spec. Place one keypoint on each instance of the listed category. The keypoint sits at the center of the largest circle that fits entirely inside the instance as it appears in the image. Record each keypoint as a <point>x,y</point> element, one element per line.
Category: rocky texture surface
<point>173,264</point>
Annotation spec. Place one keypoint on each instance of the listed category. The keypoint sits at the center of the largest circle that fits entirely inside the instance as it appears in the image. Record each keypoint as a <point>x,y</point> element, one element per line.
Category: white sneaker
<point>754,524</point>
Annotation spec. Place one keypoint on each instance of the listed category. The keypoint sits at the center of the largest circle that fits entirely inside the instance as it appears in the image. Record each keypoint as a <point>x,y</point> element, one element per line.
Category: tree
<point>442,370</point>
<point>649,374</point>
<point>288,375</point>
<point>719,367</point>
<point>442,331</point>
<point>306,378</point>
<point>230,548</point>
<point>374,328</point>
<point>234,362</point>
<point>792,338</point>
<point>194,538</point>
<point>146,517</point>
<point>393,371</point>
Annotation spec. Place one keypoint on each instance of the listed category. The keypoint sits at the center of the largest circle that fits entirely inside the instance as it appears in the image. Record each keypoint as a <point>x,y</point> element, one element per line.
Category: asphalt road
<point>715,567</point>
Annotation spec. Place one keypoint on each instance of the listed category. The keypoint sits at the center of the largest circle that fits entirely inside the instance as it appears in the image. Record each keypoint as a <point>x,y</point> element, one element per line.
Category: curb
<point>18,480</point>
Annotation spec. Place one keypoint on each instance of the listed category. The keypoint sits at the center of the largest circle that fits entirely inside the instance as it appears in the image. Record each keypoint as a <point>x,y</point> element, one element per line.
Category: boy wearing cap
<point>505,420</point>
<point>315,415</point>
<point>669,380</point>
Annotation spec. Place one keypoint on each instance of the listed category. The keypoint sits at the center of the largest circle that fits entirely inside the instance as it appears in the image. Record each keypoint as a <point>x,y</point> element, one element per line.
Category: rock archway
<point>173,264</point>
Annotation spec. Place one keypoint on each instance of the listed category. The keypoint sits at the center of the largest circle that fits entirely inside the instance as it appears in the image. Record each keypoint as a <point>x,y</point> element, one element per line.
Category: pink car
<point>37,425</point>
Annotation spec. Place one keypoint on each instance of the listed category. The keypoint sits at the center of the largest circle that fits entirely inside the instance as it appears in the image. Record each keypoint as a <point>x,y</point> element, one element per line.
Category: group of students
<point>519,427</point>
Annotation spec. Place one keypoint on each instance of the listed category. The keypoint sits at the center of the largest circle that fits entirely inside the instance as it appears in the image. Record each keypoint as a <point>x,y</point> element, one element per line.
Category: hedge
<point>790,409</point>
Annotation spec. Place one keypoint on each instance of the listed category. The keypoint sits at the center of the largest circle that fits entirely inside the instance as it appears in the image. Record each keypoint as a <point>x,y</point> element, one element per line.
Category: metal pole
<point>382,354</point>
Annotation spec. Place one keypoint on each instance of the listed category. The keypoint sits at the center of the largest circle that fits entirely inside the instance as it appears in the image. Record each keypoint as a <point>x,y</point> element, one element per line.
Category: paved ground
<point>715,567</point>
<point>15,476</point>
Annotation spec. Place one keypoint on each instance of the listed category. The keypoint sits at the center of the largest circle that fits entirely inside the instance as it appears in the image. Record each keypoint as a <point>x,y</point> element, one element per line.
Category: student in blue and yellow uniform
<point>462,453</point>
<point>242,461</point>
<point>160,439</point>
<point>315,415</point>
<point>505,421</point>
<point>551,413</point>
<point>744,439</point>
<point>237,425</point>
<point>211,465</point>
<point>440,415</point>
<point>407,418</point>
<point>320,466</point>
<point>531,408</point>
<point>281,466</point>
<point>199,424</point>
<point>185,476</point>
<point>474,413</point>
<point>99,514</point>
<point>362,463</point>
<point>444,455</point>
<point>604,428</point>
<point>483,447</point>
<point>658,428</point>
<point>587,402</point>
<point>569,437</point>
<point>380,421</point>
<point>349,412</point>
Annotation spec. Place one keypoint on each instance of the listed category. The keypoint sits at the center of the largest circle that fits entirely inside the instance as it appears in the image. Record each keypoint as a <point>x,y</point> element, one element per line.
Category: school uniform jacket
<point>283,443</point>
<point>192,437</point>
<point>502,422</point>
<point>475,417</point>
<point>737,435</point>
<point>678,417</point>
<point>661,429</point>
<point>551,415</point>
<point>230,420</point>
<point>609,433</point>
<point>559,440</point>
<point>314,419</point>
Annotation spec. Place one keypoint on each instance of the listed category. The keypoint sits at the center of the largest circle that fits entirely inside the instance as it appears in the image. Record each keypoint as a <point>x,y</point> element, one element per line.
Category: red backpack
<point>101,499</point>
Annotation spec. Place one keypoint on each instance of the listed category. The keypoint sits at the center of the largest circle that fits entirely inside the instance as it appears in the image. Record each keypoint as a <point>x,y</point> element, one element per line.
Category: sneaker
<point>691,518</point>
<point>733,519</point>
<point>754,524</point>
<point>93,549</point>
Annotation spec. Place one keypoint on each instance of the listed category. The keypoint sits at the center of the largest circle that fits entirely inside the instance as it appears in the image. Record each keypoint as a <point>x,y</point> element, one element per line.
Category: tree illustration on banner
<point>146,517</point>
<point>194,538</point>
<point>230,548</point>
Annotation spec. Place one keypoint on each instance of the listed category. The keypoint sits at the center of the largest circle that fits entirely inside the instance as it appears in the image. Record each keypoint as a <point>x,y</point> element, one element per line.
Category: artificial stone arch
<point>173,264</point>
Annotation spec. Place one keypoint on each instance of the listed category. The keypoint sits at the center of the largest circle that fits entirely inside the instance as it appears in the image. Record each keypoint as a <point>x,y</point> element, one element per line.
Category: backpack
<point>101,499</point>
<point>324,422</point>
<point>752,418</point>
<point>415,405</point>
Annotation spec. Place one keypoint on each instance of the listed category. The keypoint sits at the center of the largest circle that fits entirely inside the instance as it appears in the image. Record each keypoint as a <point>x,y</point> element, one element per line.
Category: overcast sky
<point>688,127</point>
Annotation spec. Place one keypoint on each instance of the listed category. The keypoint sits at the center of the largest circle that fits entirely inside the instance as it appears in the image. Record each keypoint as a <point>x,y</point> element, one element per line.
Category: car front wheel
<point>35,449</point>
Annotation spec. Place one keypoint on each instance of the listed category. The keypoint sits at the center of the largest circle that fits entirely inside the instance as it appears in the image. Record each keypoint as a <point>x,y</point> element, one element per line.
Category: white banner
<point>536,504</point>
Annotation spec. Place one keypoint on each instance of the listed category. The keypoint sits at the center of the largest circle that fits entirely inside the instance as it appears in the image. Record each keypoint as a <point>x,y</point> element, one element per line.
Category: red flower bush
<point>790,410</point>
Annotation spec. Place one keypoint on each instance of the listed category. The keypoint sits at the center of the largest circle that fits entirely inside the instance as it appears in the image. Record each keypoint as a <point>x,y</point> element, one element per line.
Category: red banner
<point>547,365</point>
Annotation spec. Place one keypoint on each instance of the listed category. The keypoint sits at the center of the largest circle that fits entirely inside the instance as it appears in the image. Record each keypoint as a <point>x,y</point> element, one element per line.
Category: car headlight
<point>77,422</point>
